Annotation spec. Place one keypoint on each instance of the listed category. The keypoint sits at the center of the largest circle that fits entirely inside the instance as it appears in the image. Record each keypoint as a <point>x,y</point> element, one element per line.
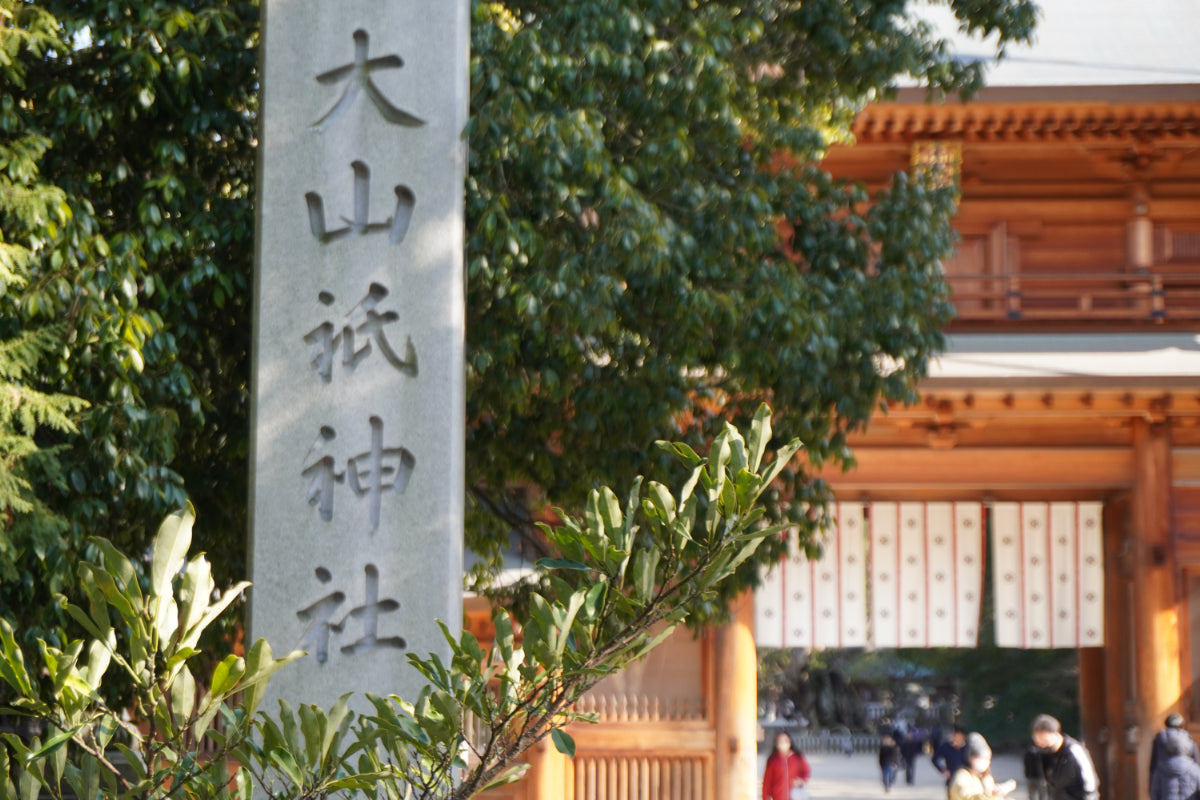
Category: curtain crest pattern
<point>912,574</point>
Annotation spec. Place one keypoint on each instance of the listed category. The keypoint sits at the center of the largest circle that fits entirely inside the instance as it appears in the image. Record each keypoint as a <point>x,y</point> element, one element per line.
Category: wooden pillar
<point>1118,778</point>
<point>547,775</point>
<point>1139,232</point>
<point>1093,706</point>
<point>735,704</point>
<point>1156,615</point>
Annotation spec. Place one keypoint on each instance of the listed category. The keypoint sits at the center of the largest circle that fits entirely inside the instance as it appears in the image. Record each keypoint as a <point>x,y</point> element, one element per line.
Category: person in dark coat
<point>951,755</point>
<point>911,746</point>
<point>1035,778</point>
<point>1070,773</point>
<point>1175,737</point>
<point>889,759</point>
<point>1174,772</point>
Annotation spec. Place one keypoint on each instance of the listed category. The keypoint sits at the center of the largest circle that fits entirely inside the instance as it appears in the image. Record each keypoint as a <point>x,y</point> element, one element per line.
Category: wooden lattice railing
<point>625,708</point>
<point>1153,296</point>
<point>643,777</point>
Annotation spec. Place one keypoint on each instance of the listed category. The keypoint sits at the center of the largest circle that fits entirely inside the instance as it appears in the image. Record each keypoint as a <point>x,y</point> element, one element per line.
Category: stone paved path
<point>856,777</point>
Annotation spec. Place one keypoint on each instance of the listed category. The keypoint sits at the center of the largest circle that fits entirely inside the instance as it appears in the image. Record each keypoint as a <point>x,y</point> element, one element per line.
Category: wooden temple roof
<point>1029,122</point>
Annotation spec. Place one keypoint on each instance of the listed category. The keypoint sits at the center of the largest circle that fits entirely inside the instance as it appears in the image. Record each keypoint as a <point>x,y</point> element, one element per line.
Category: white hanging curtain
<point>822,603</point>
<point>1048,574</point>
<point>926,574</point>
<point>925,563</point>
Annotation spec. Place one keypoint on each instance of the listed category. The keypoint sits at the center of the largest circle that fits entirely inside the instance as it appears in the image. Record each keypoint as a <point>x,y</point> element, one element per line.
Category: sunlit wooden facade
<point>1077,213</point>
<point>680,725</point>
<point>1071,372</point>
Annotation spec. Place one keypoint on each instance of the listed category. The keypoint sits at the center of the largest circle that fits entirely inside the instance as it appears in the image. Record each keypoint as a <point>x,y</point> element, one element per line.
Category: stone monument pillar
<point>357,487</point>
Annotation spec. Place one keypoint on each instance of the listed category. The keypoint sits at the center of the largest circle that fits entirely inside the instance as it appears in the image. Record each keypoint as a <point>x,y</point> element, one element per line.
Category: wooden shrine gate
<point>1097,488</point>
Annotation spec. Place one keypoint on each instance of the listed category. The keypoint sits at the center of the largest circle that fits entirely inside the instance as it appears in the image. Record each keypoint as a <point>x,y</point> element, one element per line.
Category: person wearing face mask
<point>1066,764</point>
<point>787,771</point>
<point>974,781</point>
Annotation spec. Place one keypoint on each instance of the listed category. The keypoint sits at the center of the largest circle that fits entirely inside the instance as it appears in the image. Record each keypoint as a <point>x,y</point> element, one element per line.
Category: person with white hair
<point>974,781</point>
<point>1173,737</point>
<point>1174,771</point>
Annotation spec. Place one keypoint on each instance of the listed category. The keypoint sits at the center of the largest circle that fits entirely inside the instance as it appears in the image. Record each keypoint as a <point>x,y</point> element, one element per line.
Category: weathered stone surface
<point>356,546</point>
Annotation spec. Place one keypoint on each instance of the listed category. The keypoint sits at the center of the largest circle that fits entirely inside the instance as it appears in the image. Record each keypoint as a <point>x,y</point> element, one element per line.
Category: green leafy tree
<point>622,576</point>
<point>32,211</point>
<point>126,167</point>
<point>654,248</point>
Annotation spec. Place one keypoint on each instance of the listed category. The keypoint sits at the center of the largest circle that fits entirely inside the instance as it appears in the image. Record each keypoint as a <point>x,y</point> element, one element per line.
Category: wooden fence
<point>623,708</point>
<point>643,777</point>
<point>1157,296</point>
<point>822,741</point>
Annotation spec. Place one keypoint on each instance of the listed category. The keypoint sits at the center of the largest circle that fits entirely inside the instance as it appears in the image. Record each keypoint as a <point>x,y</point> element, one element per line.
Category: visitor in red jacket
<point>787,769</point>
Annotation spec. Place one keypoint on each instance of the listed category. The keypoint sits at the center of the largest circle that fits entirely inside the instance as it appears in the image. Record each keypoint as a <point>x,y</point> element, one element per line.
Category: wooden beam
<point>1057,402</point>
<point>1058,209</point>
<point>1185,466</point>
<point>661,738</point>
<point>986,468</point>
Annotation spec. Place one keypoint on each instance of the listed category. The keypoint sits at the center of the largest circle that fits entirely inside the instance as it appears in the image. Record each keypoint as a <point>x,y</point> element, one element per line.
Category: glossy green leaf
<point>563,742</point>
<point>282,760</point>
<point>171,545</point>
<point>645,573</point>
<point>227,674</point>
<point>561,563</point>
<point>183,696</point>
<point>51,745</point>
<point>759,437</point>
<point>12,662</point>
<point>510,775</point>
<point>337,720</point>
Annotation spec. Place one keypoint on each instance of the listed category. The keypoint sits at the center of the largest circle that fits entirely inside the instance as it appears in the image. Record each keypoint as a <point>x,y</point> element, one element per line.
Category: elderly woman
<point>1174,773</point>
<point>974,780</point>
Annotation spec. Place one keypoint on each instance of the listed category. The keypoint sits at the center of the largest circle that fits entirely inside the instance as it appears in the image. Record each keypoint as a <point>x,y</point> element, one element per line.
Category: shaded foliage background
<point>136,122</point>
